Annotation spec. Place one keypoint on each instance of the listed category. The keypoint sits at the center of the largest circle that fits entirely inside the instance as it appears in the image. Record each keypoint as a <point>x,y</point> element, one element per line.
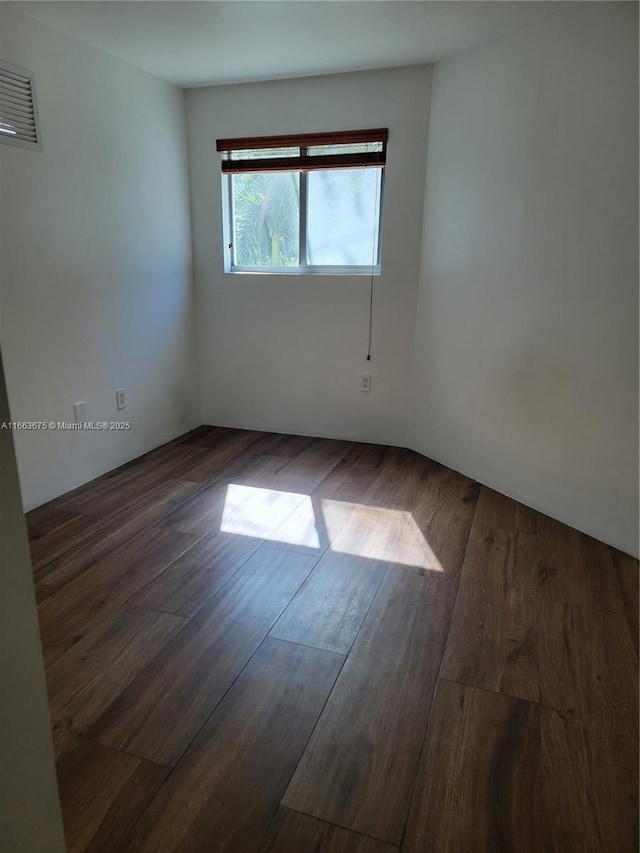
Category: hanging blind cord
<point>373,260</point>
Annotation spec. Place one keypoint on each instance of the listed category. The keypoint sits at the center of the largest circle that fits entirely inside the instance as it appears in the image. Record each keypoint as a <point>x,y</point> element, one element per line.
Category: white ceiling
<point>200,43</point>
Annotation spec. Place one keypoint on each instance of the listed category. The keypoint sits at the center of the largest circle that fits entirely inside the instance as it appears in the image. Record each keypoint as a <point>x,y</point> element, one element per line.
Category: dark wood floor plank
<point>149,468</point>
<point>503,567</point>
<point>577,569</point>
<point>628,572</point>
<point>114,530</point>
<point>589,683</point>
<point>196,576</point>
<point>63,739</point>
<point>107,484</point>
<point>58,541</point>
<point>131,483</point>
<point>42,591</point>
<point>160,713</point>
<point>491,648</point>
<point>154,506</point>
<point>224,451</point>
<point>310,467</point>
<point>276,444</point>
<point>292,832</point>
<point>402,478</point>
<point>359,767</point>
<point>102,794</point>
<point>46,519</point>
<point>493,638</point>
<point>443,514</point>
<point>97,669</point>
<point>201,514</point>
<point>217,436</point>
<point>79,606</point>
<point>478,787</point>
<point>349,483</point>
<point>224,791</point>
<point>328,610</point>
<point>590,780</point>
<point>195,434</point>
<point>260,471</point>
<point>498,511</point>
<point>587,660</point>
<point>369,455</point>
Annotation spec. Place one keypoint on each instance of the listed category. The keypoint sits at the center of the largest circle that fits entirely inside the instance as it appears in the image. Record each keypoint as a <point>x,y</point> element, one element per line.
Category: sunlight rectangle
<point>252,511</point>
<point>378,534</point>
<point>371,532</point>
<point>300,528</point>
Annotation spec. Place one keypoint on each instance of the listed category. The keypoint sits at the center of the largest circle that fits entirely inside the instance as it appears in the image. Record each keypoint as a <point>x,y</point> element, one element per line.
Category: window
<point>18,109</point>
<point>304,204</point>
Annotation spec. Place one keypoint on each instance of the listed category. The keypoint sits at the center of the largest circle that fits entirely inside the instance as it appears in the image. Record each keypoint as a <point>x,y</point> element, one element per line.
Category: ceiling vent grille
<point>19,123</point>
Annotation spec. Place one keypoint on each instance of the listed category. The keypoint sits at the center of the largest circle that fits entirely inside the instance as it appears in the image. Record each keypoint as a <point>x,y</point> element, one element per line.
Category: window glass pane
<point>261,153</point>
<point>266,218</point>
<point>343,212</point>
<point>345,148</point>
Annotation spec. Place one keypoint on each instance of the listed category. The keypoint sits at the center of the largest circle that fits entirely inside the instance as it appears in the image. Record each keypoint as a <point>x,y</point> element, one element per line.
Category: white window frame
<point>231,266</point>
<point>303,268</point>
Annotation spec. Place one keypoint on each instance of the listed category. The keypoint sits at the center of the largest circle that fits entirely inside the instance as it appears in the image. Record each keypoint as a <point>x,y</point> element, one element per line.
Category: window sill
<point>326,271</point>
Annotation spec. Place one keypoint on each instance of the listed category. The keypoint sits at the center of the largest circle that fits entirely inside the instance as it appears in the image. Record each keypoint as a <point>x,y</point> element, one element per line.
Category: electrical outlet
<point>120,398</point>
<point>78,412</point>
<point>365,382</point>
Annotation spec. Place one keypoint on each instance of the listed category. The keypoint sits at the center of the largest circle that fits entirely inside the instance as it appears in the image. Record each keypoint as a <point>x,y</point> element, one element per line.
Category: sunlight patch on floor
<point>250,511</point>
<point>378,534</point>
<point>374,533</point>
<point>300,528</point>
<point>414,549</point>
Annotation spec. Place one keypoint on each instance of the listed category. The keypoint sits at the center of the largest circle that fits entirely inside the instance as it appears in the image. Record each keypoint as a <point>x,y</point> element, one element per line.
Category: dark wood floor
<point>259,643</point>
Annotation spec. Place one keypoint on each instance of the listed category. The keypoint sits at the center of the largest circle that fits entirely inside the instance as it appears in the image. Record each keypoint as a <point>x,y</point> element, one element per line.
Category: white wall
<point>30,817</point>
<point>96,287</point>
<point>286,352</point>
<point>525,373</point>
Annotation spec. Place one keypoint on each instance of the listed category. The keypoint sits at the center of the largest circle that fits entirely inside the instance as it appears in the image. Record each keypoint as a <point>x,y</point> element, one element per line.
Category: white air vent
<point>19,123</point>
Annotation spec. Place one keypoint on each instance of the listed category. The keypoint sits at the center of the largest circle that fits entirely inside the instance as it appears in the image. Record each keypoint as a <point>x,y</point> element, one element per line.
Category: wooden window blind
<point>304,152</point>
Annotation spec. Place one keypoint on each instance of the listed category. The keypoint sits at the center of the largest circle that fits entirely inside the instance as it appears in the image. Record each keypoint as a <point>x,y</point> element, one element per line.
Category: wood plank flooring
<point>261,643</point>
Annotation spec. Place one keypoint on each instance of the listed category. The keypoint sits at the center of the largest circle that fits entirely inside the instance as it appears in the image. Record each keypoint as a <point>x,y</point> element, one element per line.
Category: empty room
<point>319,432</point>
